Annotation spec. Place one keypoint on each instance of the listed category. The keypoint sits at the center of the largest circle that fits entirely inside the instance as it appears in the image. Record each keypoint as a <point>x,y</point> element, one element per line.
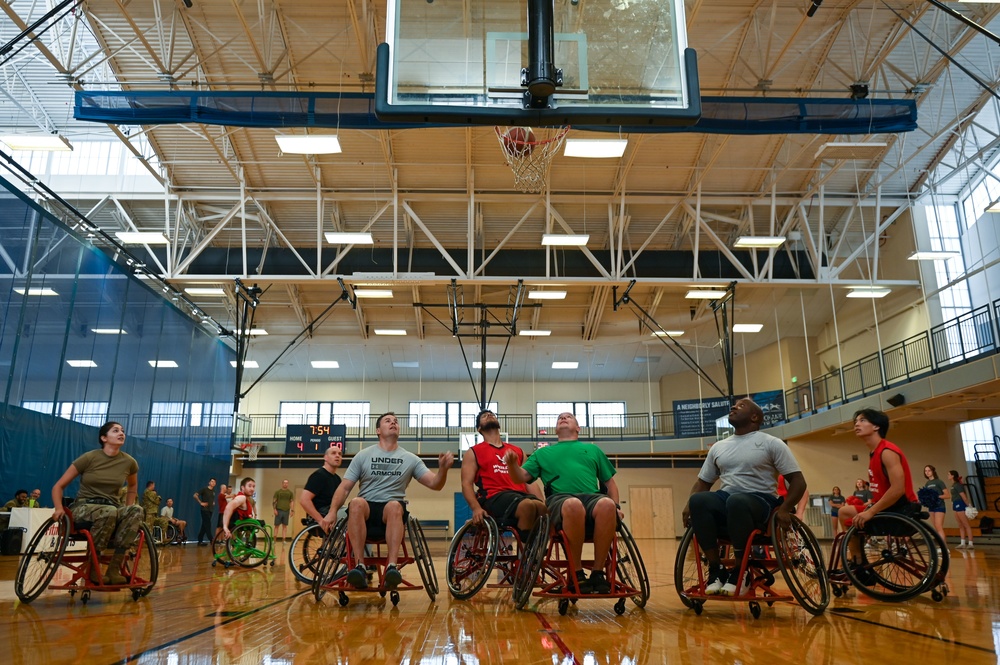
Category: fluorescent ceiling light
<point>45,291</point>
<point>390,331</point>
<point>765,242</point>
<point>108,331</point>
<point>162,363</point>
<point>343,238</point>
<point>312,144</point>
<point>668,333</point>
<point>868,292</point>
<point>547,295</point>
<point>39,142</point>
<point>252,364</point>
<point>850,150</point>
<point>405,363</point>
<point>934,256</point>
<point>141,237</point>
<point>535,333</point>
<point>489,365</point>
<point>325,364</point>
<point>564,240</point>
<point>595,148</point>
<point>206,290</point>
<point>565,365</point>
<point>747,327</point>
<point>706,294</point>
<point>373,293</point>
<point>81,363</point>
<point>254,332</point>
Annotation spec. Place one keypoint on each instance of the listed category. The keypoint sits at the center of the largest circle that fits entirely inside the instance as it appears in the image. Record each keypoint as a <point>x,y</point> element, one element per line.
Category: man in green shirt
<point>574,474</point>
<point>282,504</point>
<point>20,500</point>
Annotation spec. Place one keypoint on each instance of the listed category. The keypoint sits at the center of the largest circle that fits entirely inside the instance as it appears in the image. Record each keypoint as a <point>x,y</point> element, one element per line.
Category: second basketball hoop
<point>528,155</point>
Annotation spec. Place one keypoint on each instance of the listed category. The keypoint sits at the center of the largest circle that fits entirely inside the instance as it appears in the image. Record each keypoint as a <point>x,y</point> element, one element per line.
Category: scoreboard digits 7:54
<point>313,439</point>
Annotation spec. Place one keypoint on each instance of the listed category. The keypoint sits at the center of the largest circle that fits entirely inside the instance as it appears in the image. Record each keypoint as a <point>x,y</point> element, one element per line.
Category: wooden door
<point>651,511</point>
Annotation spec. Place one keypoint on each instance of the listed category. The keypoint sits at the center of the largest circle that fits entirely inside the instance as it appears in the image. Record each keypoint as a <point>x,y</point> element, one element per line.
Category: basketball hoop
<point>252,450</point>
<point>528,156</point>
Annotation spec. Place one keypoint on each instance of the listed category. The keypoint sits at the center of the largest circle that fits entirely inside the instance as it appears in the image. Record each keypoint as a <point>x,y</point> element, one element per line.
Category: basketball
<point>519,141</point>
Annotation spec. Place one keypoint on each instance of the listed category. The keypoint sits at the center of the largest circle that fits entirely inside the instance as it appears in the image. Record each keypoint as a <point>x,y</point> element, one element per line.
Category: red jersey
<point>245,511</point>
<point>878,477</point>
<point>493,477</point>
<point>222,501</point>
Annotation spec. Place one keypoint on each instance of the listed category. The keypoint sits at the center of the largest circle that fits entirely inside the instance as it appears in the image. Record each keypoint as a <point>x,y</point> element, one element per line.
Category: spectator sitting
<point>20,500</point>
<point>34,502</point>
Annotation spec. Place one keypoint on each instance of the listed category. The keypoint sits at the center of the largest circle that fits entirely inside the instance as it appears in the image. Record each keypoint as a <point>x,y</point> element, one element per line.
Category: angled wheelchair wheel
<point>218,547</point>
<point>688,571</point>
<point>249,545</point>
<point>331,556</point>
<point>899,558</point>
<point>142,565</point>
<point>530,564</point>
<point>41,558</point>
<point>630,569</point>
<point>422,556</point>
<point>171,532</point>
<point>305,553</point>
<point>800,560</point>
<point>471,557</point>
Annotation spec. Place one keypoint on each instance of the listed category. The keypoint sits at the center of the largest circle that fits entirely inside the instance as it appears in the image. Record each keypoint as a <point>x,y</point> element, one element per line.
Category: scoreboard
<point>313,439</point>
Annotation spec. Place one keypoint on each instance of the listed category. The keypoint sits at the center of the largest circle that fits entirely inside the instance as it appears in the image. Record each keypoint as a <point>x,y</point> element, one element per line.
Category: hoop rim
<point>502,134</point>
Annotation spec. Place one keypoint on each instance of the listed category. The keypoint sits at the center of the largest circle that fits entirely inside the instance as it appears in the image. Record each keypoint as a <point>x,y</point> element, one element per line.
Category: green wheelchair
<point>250,544</point>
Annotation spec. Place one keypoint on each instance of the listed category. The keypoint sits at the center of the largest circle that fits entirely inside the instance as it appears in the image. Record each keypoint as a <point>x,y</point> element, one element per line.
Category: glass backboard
<point>460,61</point>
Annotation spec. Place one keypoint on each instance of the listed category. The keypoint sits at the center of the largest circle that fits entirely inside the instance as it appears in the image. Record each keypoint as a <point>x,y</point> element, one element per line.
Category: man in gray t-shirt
<point>384,471</point>
<point>748,465</point>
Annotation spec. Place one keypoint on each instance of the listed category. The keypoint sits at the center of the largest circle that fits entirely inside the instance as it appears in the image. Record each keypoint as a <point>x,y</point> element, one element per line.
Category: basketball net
<point>529,160</point>
<point>252,450</point>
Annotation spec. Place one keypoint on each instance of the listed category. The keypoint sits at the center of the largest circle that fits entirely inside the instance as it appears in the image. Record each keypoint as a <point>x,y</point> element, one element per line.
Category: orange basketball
<point>519,141</point>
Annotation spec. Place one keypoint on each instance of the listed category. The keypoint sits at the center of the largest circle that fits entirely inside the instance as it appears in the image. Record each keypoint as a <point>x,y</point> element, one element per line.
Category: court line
<point>136,656</point>
<point>566,651</point>
<point>990,651</point>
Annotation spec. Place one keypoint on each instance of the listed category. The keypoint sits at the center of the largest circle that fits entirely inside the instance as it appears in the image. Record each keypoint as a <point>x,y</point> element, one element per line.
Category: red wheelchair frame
<point>546,562</point>
<point>338,559</point>
<point>794,552</point>
<point>47,552</point>
<point>475,550</point>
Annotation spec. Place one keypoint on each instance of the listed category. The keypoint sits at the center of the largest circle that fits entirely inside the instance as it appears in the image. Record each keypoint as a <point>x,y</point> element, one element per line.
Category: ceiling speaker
<point>896,400</point>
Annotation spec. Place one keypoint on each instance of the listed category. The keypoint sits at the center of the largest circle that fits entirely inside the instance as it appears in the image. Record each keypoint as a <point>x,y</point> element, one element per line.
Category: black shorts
<point>502,506</point>
<point>375,527</point>
<point>556,501</point>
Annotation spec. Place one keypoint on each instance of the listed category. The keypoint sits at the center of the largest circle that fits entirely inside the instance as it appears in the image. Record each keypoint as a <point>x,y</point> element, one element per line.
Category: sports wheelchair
<point>338,558</point>
<point>793,550</point>
<point>249,545</point>
<point>546,562</point>
<point>474,552</point>
<point>61,555</point>
<point>901,558</point>
<point>306,552</point>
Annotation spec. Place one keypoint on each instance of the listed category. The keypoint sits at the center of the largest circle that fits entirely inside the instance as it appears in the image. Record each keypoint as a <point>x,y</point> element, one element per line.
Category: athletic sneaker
<point>582,583</point>
<point>392,577</point>
<point>357,577</point>
<point>596,584</point>
<point>735,586</point>
<point>717,576</point>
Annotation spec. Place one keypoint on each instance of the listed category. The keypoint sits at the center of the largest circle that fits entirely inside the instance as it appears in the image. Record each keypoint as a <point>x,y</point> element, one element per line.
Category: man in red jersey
<point>487,485</point>
<point>891,484</point>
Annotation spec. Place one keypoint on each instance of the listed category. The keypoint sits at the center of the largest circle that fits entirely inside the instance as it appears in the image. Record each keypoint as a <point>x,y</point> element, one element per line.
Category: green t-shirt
<point>283,499</point>
<point>570,467</point>
<point>102,475</point>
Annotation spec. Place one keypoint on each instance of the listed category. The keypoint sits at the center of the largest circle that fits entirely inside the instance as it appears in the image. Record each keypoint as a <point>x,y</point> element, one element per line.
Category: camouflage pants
<point>112,526</point>
<point>154,520</point>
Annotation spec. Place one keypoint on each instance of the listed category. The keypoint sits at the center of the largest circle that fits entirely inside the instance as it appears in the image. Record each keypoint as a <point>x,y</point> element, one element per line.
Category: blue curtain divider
<point>720,115</point>
<point>36,449</point>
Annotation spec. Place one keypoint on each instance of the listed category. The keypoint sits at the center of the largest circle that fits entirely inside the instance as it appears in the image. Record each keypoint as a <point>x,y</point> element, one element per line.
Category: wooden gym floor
<point>202,615</point>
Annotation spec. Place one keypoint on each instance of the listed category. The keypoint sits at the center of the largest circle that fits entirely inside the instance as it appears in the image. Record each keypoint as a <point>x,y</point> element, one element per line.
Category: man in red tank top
<point>487,485</point>
<point>241,505</point>
<point>888,471</point>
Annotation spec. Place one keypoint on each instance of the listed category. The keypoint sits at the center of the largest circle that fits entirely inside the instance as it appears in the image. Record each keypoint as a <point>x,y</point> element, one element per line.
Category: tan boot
<point>114,574</point>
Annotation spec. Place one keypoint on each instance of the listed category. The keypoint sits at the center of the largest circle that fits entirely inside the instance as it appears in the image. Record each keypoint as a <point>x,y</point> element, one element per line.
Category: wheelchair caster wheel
<point>836,591</point>
<point>620,607</point>
<point>698,607</point>
<point>85,596</point>
<point>272,563</point>
<point>213,563</point>
<point>770,603</point>
<point>72,592</point>
<point>937,596</point>
<point>136,594</point>
<point>342,599</point>
<point>563,606</point>
<point>394,597</point>
<point>755,610</point>
<point>381,594</point>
